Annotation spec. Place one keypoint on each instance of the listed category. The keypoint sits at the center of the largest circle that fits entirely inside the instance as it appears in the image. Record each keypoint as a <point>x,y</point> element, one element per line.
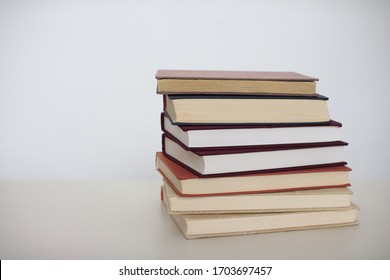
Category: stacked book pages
<point>249,152</point>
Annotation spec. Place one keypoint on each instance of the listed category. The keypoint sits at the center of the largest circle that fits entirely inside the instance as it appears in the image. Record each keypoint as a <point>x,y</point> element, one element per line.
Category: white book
<point>229,161</point>
<point>239,135</point>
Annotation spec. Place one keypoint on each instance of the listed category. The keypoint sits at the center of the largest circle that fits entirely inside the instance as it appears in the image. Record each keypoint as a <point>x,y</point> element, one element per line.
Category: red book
<point>187,183</point>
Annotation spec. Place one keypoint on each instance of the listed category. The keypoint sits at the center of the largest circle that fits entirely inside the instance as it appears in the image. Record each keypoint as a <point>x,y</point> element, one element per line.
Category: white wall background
<point>77,87</point>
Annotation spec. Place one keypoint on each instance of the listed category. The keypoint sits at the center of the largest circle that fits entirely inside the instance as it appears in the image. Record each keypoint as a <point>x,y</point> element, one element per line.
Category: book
<point>247,152</point>
<point>196,136</point>
<point>213,225</point>
<point>246,109</point>
<point>232,82</point>
<point>187,184</point>
<point>218,161</point>
<point>308,200</point>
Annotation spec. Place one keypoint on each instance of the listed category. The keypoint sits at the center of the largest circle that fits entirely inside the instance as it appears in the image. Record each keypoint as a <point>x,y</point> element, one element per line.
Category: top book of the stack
<point>234,82</point>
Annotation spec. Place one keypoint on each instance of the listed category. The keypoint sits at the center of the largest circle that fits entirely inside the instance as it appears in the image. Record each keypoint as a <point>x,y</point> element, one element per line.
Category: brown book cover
<point>233,75</point>
<point>233,82</point>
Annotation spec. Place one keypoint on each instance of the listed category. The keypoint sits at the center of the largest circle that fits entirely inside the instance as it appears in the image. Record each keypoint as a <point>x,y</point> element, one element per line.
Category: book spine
<point>162,122</point>
<point>164,102</point>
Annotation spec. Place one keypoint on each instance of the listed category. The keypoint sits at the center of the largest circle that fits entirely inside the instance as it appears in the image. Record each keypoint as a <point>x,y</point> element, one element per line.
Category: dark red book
<point>235,160</point>
<point>209,136</point>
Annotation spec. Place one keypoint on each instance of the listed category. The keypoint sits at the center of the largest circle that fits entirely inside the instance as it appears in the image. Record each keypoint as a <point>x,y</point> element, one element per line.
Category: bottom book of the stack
<point>294,216</point>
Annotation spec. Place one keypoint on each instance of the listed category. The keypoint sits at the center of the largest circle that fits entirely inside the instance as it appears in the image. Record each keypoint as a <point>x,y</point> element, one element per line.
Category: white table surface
<point>126,220</point>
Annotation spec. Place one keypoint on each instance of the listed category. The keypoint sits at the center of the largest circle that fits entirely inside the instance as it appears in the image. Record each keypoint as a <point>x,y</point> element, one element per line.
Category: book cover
<point>233,82</point>
<point>246,159</point>
<point>218,225</point>
<point>229,136</point>
<point>307,200</point>
<point>233,75</point>
<point>165,118</point>
<point>186,183</point>
<point>201,151</point>
<point>211,96</point>
<point>246,109</point>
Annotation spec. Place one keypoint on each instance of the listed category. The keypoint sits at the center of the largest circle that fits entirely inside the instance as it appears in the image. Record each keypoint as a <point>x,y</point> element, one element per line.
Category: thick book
<point>233,82</point>
<point>308,200</point>
<point>213,225</point>
<point>187,184</point>
<point>218,161</point>
<point>246,109</point>
<point>201,136</point>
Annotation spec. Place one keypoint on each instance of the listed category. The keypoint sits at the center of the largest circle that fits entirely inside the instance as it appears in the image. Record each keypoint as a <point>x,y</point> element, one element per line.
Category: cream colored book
<point>309,200</point>
<point>246,109</point>
<point>213,225</point>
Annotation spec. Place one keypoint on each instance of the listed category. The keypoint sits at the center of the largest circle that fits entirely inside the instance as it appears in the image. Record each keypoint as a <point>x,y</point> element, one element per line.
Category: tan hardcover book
<point>248,109</point>
<point>213,225</point>
<point>186,183</point>
<point>309,200</point>
<point>233,82</point>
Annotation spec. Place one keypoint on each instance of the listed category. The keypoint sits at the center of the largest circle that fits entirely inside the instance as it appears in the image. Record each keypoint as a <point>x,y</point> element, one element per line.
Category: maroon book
<point>267,158</point>
<point>200,126</point>
<point>230,136</point>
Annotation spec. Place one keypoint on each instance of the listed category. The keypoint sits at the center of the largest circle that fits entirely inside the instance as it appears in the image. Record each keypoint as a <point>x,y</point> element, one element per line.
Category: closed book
<point>233,82</point>
<point>246,109</point>
<point>188,184</point>
<point>213,225</point>
<point>218,161</point>
<point>201,136</point>
<point>308,200</point>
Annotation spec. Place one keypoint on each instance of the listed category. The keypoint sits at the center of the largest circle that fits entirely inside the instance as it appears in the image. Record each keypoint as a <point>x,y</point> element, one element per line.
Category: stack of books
<point>248,152</point>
